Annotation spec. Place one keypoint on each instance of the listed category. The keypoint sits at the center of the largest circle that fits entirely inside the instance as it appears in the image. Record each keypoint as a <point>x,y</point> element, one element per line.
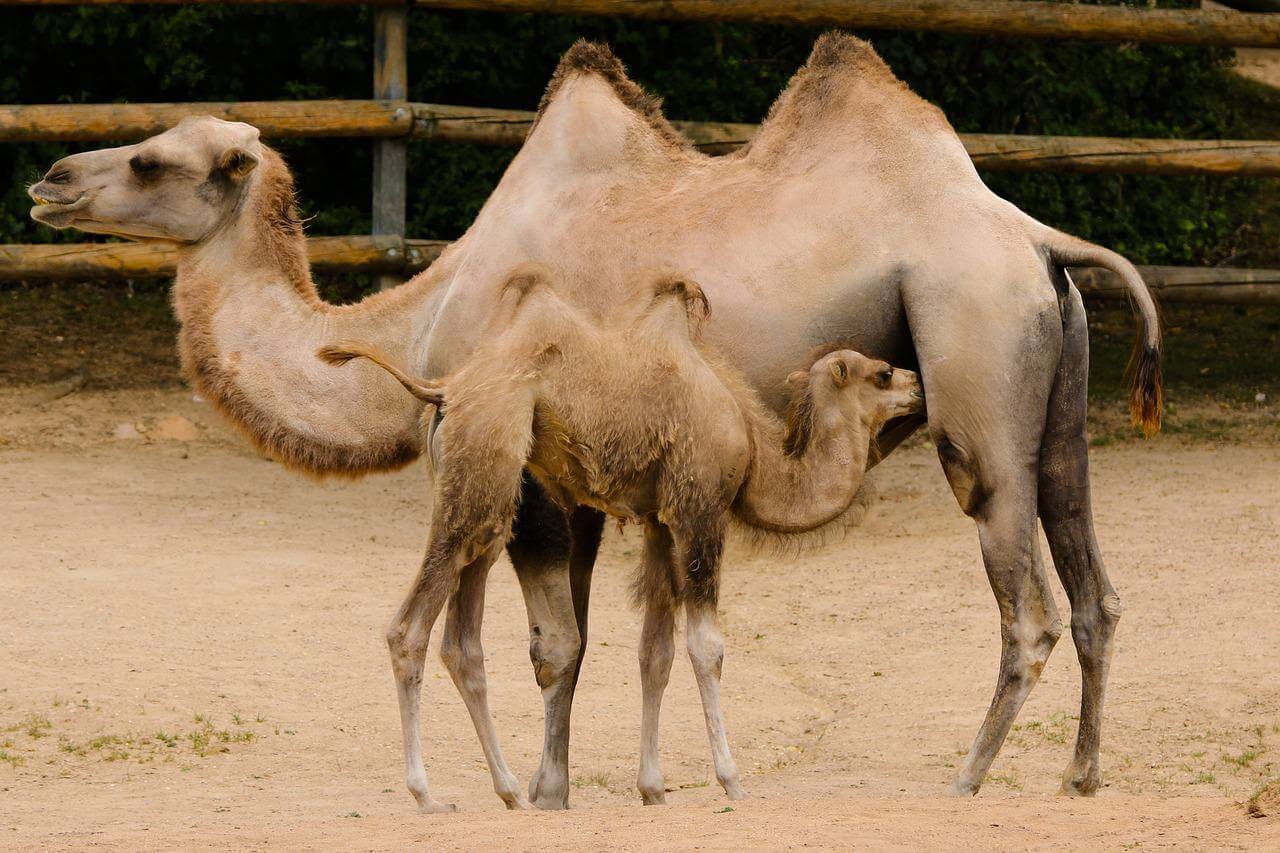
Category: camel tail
<point>345,351</point>
<point>1146,394</point>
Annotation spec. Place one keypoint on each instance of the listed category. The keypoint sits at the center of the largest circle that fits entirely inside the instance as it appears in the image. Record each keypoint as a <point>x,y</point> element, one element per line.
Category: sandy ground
<point>191,656</point>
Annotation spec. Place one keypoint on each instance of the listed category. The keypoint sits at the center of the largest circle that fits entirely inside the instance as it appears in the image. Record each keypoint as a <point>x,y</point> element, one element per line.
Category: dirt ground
<point>191,656</point>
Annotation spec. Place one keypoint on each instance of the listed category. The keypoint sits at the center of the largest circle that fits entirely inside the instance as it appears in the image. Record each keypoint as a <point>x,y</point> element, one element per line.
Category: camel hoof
<point>517,804</point>
<point>962,789</point>
<point>1079,787</point>
<point>735,792</point>
<point>654,798</point>
<point>551,804</point>
<point>534,784</point>
<point>436,807</point>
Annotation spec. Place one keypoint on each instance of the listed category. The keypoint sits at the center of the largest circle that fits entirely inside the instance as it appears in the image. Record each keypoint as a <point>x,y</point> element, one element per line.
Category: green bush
<point>705,71</point>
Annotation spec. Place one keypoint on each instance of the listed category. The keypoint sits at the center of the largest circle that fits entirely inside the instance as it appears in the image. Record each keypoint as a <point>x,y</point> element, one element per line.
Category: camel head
<point>854,388</point>
<point>179,186</point>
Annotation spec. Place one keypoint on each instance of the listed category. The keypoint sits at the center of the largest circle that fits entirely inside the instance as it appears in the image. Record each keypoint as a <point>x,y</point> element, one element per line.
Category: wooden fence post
<point>390,156</point>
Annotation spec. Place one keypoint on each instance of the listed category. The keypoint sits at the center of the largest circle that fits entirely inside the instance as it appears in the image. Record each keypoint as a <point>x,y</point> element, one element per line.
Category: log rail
<point>443,123</point>
<point>385,254</point>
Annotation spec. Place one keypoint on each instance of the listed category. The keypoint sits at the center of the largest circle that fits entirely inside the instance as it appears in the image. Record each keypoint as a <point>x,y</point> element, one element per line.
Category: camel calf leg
<point>701,557</point>
<point>656,652</point>
<point>471,514</point>
<point>407,637</point>
<point>706,652</point>
<point>463,656</point>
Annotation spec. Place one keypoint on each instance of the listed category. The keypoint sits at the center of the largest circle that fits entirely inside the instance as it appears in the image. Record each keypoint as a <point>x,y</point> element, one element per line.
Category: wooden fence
<point>392,122</point>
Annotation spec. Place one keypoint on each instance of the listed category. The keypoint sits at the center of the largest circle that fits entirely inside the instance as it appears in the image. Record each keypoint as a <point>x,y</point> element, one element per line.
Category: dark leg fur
<point>553,556</point>
<point>1066,513</point>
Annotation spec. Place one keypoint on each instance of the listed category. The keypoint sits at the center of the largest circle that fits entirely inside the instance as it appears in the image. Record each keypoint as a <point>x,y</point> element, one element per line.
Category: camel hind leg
<point>463,655</point>
<point>988,368</point>
<point>553,555</point>
<point>474,502</point>
<point>1066,512</point>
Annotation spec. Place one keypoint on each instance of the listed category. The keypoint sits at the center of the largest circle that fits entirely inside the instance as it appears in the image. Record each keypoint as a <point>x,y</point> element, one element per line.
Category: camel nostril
<point>58,176</point>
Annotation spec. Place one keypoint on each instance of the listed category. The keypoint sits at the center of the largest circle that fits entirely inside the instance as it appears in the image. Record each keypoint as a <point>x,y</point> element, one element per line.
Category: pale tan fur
<point>854,215</point>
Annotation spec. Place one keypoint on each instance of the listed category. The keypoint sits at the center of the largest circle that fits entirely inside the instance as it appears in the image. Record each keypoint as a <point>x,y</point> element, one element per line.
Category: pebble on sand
<point>176,428</point>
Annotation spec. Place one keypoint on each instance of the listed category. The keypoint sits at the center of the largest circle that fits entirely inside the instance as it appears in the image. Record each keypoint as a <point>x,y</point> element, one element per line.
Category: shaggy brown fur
<point>569,402</point>
<point>278,243</point>
<point>632,417</point>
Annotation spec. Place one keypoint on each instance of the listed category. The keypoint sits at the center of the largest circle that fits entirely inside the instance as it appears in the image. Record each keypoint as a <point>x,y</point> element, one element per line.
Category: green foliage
<point>705,71</point>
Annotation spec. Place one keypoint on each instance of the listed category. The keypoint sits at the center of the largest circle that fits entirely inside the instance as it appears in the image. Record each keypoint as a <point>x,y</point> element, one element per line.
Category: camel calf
<point>632,417</point>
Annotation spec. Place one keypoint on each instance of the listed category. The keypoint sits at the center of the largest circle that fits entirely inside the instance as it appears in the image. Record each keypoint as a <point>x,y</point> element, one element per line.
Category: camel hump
<point>592,59</point>
<point>838,50</point>
<point>843,95</point>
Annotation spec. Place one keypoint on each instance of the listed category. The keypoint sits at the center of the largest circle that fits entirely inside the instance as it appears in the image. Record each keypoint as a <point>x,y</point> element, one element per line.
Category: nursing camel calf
<point>632,417</point>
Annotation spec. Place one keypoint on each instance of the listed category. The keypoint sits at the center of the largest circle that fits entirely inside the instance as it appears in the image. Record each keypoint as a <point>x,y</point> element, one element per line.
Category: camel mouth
<point>54,212</point>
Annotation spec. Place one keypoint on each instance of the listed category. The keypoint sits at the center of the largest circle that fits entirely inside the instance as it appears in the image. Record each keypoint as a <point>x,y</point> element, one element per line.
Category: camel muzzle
<point>55,204</point>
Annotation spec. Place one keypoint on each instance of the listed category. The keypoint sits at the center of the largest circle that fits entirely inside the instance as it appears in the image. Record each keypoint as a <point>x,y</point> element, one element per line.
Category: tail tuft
<point>1146,393</point>
<point>1146,396</point>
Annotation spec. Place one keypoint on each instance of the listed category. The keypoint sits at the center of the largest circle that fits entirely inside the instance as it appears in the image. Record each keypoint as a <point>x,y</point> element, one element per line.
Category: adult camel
<point>855,215</point>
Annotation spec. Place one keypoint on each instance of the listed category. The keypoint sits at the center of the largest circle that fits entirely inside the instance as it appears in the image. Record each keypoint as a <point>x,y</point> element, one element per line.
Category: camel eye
<point>884,377</point>
<point>143,165</point>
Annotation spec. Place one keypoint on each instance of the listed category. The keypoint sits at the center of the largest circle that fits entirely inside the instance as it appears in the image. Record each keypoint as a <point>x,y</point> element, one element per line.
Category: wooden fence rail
<point>977,17</point>
<point>387,254</point>
<point>390,119</point>
<point>107,261</point>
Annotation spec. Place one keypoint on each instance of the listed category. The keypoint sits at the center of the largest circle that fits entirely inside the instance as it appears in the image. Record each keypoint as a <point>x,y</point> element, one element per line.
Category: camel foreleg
<point>656,652</point>
<point>700,555</point>
<point>553,555</point>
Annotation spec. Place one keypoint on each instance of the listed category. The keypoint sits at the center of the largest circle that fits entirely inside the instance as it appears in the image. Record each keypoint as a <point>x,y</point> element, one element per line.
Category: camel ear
<point>839,372</point>
<point>236,163</point>
<point>797,378</point>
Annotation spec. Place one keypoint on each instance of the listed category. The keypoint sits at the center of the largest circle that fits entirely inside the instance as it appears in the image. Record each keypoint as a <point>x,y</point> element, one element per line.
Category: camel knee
<point>655,664</point>
<point>961,471</point>
<point>1093,625</point>
<point>1029,647</point>
<point>464,661</point>
<point>554,656</point>
<point>706,651</point>
<point>406,647</point>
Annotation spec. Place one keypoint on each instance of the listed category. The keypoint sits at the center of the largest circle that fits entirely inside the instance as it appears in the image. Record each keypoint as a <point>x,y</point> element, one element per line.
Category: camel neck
<point>251,323</point>
<point>797,493</point>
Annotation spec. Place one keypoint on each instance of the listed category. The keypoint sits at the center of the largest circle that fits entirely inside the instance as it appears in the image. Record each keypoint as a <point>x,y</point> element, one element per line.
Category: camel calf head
<point>179,185</point>
<point>847,386</point>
